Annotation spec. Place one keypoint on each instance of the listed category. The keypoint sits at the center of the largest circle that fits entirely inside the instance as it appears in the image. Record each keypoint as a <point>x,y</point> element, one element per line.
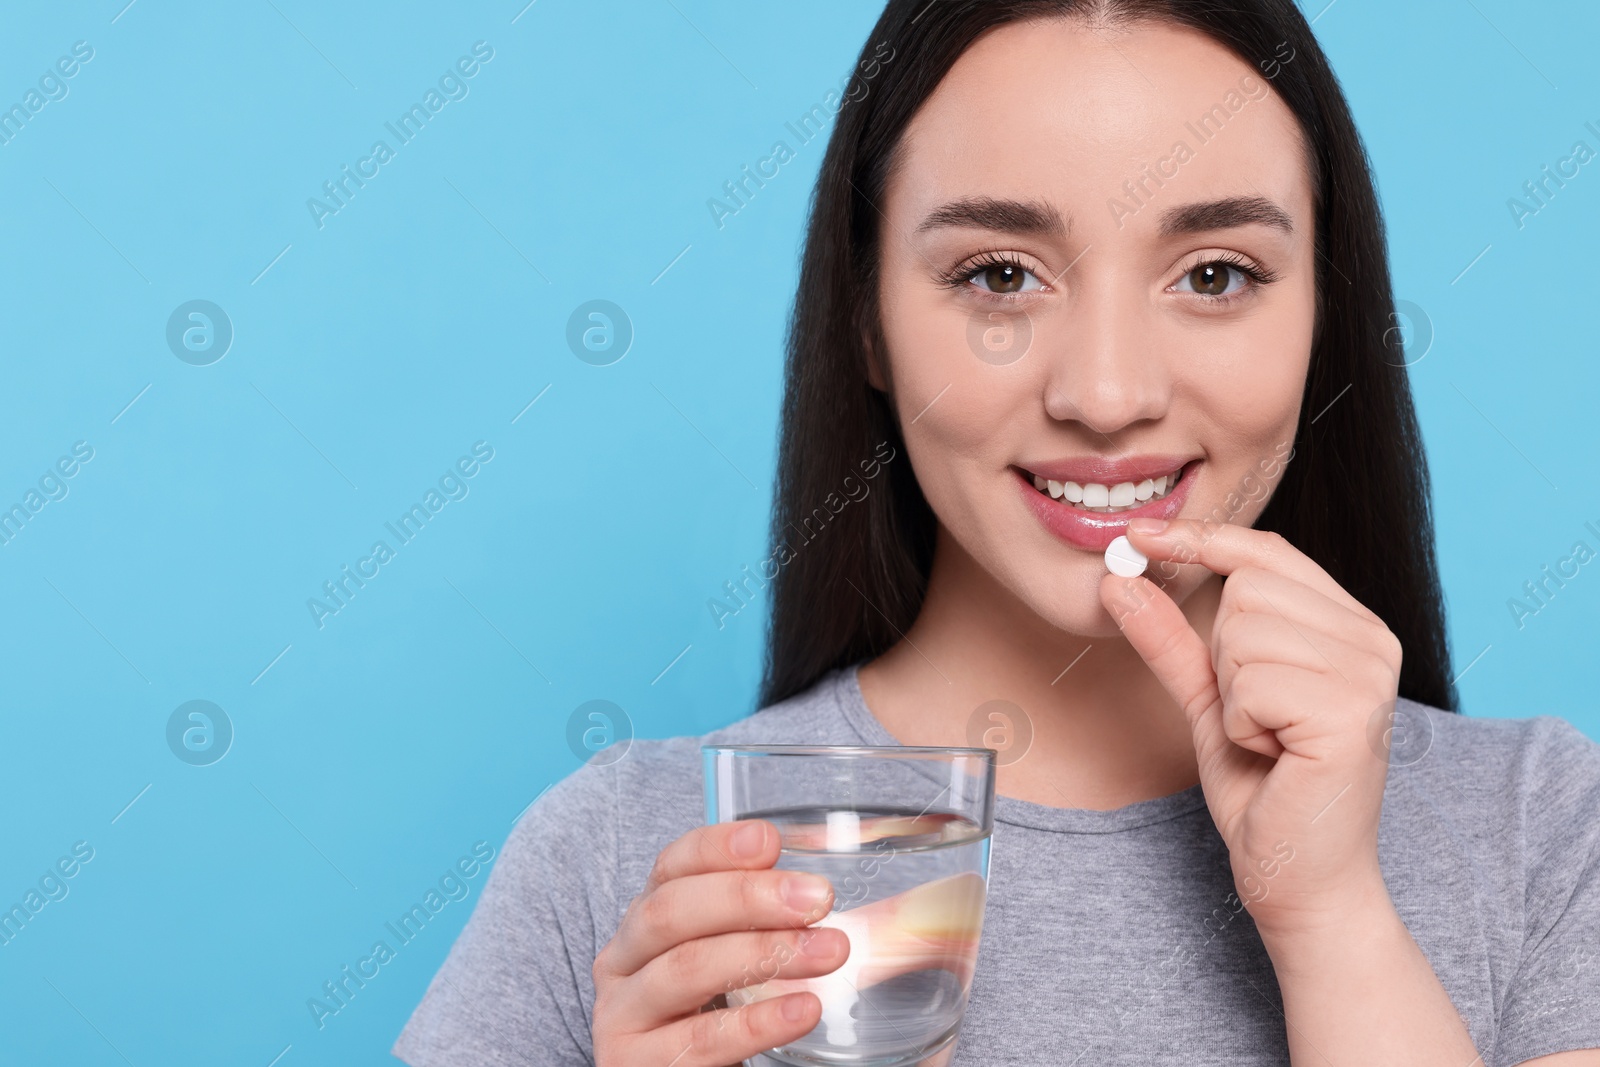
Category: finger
<point>1339,634</point>
<point>745,844</point>
<point>699,905</point>
<point>1271,593</point>
<point>1252,706</point>
<point>687,975</point>
<point>1180,660</point>
<point>732,1035</point>
<point>1223,548</point>
<point>932,926</point>
<point>1244,637</point>
<point>1296,710</point>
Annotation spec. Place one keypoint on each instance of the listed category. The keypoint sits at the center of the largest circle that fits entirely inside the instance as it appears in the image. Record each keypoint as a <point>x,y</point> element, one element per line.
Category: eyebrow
<point>989,213</point>
<point>1223,214</point>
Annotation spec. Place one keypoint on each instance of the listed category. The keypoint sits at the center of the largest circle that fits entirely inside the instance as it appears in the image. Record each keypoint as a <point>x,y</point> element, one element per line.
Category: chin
<point>1071,602</point>
<point>1092,621</point>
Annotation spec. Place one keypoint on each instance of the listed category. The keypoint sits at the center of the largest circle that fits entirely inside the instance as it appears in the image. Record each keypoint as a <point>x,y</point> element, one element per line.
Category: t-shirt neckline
<point>1013,810</point>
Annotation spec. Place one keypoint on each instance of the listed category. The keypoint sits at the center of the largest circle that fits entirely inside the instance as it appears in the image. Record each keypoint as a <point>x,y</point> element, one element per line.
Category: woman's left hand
<point>1289,704</point>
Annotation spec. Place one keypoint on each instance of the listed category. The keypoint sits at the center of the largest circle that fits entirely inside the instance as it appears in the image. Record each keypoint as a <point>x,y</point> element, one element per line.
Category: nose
<point>1106,368</point>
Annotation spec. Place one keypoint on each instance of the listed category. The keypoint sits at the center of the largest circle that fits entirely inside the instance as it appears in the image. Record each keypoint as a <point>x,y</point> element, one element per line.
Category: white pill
<point>1123,560</point>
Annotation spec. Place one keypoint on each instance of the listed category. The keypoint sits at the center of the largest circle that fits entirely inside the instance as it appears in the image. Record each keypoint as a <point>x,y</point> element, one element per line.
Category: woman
<point>1078,270</point>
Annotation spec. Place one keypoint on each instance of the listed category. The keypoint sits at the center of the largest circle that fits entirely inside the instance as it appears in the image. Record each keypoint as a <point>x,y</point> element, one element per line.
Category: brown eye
<point>1002,278</point>
<point>1212,279</point>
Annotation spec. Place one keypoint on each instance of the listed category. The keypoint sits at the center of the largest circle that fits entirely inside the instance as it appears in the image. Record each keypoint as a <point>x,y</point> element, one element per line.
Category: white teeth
<point>1095,496</point>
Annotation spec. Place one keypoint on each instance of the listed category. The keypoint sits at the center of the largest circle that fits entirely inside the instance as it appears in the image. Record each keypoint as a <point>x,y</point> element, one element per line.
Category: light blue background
<point>425,316</point>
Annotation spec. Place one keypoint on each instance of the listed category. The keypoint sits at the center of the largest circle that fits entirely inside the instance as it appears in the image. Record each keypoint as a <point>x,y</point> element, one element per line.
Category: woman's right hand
<point>713,917</point>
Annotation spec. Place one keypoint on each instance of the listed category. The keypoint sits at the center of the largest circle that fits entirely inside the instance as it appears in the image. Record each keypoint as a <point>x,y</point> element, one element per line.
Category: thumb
<point>1176,655</point>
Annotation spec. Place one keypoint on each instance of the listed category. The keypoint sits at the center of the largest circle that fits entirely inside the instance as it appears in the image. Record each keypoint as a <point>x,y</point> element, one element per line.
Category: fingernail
<point>793,1009</point>
<point>748,841</point>
<point>804,892</point>
<point>816,944</point>
<point>1147,526</point>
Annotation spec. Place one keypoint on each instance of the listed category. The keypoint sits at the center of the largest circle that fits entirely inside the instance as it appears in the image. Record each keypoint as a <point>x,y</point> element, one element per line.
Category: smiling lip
<point>1105,471</point>
<point>1095,530</point>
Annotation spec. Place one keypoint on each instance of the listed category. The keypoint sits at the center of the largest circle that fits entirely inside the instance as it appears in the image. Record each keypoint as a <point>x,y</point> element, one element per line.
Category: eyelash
<point>1258,274</point>
<point>966,272</point>
<point>963,275</point>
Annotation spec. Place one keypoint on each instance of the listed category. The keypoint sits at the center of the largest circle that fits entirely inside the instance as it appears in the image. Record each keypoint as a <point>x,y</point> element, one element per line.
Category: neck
<point>1104,732</point>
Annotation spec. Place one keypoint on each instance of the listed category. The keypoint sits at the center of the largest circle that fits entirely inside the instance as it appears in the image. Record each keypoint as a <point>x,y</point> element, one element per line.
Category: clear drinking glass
<point>902,832</point>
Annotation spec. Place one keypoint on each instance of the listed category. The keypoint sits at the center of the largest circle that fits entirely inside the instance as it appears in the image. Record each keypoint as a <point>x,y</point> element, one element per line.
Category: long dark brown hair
<point>1355,499</point>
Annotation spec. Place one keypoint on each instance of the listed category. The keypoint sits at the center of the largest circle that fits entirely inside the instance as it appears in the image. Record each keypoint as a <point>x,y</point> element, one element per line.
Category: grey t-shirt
<point>1110,937</point>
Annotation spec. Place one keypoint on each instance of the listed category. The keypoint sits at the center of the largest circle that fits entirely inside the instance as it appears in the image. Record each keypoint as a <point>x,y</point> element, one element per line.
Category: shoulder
<point>1512,800</point>
<point>814,716</point>
<point>1492,852</point>
<point>640,766</point>
<point>615,813</point>
<point>1501,762</point>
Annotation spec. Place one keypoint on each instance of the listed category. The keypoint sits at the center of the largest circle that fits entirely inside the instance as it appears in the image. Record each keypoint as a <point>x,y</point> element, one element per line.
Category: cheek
<point>1247,404</point>
<point>1253,402</point>
<point>948,399</point>
<point>969,420</point>
<point>1252,385</point>
<point>961,417</point>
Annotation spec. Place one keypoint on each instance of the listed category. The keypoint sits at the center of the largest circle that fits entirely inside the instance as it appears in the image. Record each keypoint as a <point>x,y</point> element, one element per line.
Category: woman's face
<point>1097,276</point>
